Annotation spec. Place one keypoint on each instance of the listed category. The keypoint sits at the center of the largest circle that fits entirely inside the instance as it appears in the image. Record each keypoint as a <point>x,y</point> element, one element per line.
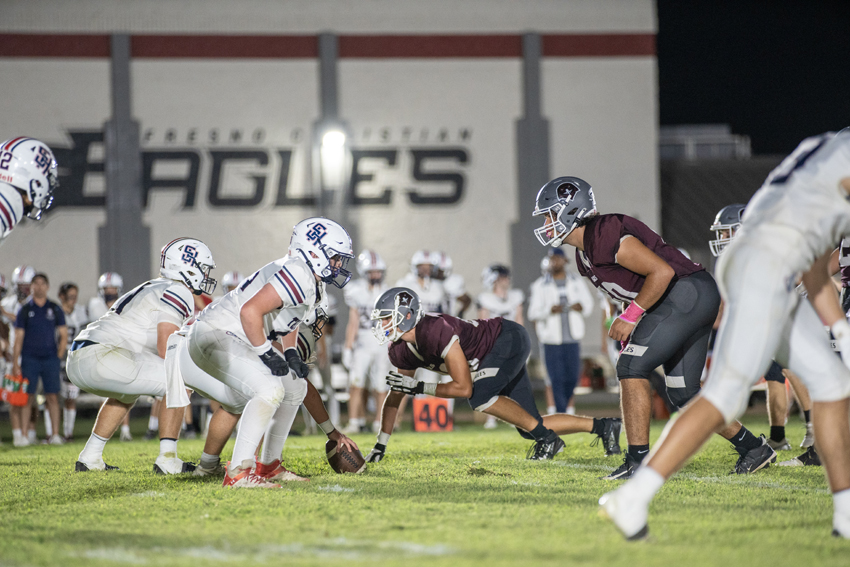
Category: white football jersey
<point>801,209</point>
<point>96,308</point>
<point>11,305</point>
<point>432,295</point>
<point>76,321</point>
<point>294,283</point>
<point>11,209</point>
<point>454,286</point>
<point>132,320</point>
<point>361,296</point>
<point>499,307</point>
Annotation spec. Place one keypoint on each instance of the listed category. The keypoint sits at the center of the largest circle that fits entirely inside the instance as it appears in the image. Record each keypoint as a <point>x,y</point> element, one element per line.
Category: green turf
<point>462,498</point>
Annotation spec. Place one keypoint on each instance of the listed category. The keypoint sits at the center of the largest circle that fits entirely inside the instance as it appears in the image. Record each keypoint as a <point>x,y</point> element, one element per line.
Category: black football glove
<point>376,454</point>
<point>295,363</point>
<point>276,364</point>
<point>400,383</point>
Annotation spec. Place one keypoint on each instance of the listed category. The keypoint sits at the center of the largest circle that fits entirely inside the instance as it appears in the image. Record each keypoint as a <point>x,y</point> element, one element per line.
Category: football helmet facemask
<point>401,307</point>
<point>725,226</point>
<point>564,201</point>
<point>326,248</point>
<point>28,165</point>
<point>189,261</point>
<point>22,278</point>
<point>109,279</point>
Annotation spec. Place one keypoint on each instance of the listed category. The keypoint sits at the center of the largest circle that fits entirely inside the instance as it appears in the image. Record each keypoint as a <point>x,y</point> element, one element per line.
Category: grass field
<point>462,498</point>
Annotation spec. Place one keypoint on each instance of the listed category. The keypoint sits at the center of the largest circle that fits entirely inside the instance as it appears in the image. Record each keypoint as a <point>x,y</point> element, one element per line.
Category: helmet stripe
<point>12,141</point>
<point>20,141</point>
<point>165,249</point>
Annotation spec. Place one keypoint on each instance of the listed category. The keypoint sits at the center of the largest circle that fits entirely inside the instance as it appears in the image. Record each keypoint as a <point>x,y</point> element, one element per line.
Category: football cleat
<point>171,465</point>
<point>126,436</point>
<point>245,477</point>
<point>80,466</point>
<point>610,436</point>
<point>783,445</point>
<point>56,439</point>
<point>276,472</point>
<point>808,459</point>
<point>630,517</point>
<point>624,471</point>
<point>809,439</point>
<point>491,422</point>
<point>217,470</point>
<point>546,449</point>
<point>755,459</point>
<point>151,434</point>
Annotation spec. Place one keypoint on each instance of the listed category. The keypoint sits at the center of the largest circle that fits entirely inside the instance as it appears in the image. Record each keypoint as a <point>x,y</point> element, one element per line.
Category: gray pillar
<point>532,143</point>
<point>124,242</point>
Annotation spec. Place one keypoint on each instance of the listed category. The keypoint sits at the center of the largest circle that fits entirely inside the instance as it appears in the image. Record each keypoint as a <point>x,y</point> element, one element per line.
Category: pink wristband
<point>633,313</point>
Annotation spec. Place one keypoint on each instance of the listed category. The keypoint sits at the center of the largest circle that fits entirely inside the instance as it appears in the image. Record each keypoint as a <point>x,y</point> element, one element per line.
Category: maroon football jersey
<point>598,262</point>
<point>436,333</point>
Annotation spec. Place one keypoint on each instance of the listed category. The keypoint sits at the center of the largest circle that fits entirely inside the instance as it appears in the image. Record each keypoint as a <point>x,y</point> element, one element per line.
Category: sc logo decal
<point>317,232</point>
<point>189,254</point>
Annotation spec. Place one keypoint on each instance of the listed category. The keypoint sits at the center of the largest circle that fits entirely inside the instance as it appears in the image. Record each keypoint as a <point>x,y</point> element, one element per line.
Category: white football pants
<point>116,372</point>
<point>369,360</point>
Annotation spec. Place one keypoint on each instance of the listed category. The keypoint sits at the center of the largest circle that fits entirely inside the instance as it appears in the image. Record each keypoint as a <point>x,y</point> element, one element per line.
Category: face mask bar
<point>386,335</point>
<point>321,320</point>
<point>557,228</point>
<point>330,274</point>
<point>35,211</point>
<point>719,244</point>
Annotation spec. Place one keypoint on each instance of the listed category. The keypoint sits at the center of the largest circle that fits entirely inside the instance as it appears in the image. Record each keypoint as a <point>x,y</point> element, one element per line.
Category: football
<point>344,461</point>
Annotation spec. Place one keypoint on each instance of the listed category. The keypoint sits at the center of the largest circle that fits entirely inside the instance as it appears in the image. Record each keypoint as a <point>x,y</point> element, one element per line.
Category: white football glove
<point>405,384</point>
<point>376,454</point>
<point>347,357</point>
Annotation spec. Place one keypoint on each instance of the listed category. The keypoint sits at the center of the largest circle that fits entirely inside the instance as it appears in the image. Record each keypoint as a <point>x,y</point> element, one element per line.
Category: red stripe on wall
<point>389,46</point>
<point>599,45</point>
<point>306,46</point>
<point>225,46</point>
<point>53,45</point>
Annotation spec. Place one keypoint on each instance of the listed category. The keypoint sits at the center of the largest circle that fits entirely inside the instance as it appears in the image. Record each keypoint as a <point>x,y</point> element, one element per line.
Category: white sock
<point>168,446</point>
<point>16,434</point>
<point>277,432</point>
<point>69,417</point>
<point>645,483</point>
<point>550,410</point>
<point>93,451</point>
<point>207,424</point>
<point>153,423</point>
<point>31,437</point>
<point>125,429</point>
<point>383,438</point>
<point>209,461</point>
<point>48,425</point>
<point>841,514</point>
<point>255,418</point>
<point>571,410</point>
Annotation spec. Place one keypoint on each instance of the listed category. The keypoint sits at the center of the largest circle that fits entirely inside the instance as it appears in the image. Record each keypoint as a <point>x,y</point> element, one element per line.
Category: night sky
<point>777,71</point>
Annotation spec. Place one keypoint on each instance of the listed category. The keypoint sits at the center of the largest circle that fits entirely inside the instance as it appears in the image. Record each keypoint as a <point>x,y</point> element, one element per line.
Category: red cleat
<point>245,477</point>
<point>276,472</point>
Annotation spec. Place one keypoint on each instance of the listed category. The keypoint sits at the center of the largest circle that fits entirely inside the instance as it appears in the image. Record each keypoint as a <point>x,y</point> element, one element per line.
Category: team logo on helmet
<point>190,253</point>
<point>316,233</point>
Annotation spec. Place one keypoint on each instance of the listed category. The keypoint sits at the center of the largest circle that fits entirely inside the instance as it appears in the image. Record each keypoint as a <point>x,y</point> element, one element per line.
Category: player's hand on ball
<point>376,454</point>
<point>405,384</point>
<point>297,365</point>
<point>343,441</point>
<point>275,362</point>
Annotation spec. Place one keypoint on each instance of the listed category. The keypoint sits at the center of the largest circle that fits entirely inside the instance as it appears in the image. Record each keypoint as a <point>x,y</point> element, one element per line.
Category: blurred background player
<point>499,300</point>
<point>75,320</point>
<point>559,303</point>
<point>362,356</point>
<point>27,181</point>
<point>457,300</point>
<point>230,281</point>
<point>121,355</point>
<point>11,304</point>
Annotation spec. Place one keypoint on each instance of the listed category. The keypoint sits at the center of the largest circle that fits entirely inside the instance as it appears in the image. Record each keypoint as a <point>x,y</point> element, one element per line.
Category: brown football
<point>342,460</point>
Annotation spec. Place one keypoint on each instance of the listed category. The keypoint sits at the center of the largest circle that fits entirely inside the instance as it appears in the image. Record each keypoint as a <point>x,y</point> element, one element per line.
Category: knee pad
<point>272,395</point>
<point>295,391</point>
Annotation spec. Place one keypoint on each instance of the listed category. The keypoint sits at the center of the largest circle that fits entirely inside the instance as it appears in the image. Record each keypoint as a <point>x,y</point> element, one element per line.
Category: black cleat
<point>808,459</point>
<point>642,534</point>
<point>151,434</point>
<point>80,466</point>
<point>624,471</point>
<point>545,449</point>
<point>610,436</point>
<point>187,467</point>
<point>755,459</point>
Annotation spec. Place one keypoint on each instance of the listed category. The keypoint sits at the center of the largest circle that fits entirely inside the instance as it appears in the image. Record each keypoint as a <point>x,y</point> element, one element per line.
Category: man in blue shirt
<point>38,323</point>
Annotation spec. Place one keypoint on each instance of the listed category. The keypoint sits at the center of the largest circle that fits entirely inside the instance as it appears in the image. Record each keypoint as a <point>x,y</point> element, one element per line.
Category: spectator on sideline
<point>558,303</point>
<point>75,321</point>
<point>38,323</point>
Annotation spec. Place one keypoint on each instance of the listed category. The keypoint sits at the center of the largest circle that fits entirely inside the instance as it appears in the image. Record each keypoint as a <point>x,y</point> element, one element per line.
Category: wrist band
<point>383,438</point>
<point>263,348</point>
<point>429,388</point>
<point>327,427</point>
<point>633,313</point>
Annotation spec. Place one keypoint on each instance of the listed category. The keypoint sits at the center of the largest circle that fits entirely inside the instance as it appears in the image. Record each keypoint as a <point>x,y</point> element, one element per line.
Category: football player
<point>495,350</point>
<point>672,306</point>
<point>110,285</point>
<point>21,280</point>
<point>120,356</point>
<point>457,300</point>
<point>27,181</point>
<point>362,356</point>
<point>75,320</point>
<point>230,281</point>
<point>791,226</point>
<point>232,342</point>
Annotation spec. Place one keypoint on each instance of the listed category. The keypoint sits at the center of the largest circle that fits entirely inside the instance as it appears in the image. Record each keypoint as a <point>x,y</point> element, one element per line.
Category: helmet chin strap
<point>558,241</point>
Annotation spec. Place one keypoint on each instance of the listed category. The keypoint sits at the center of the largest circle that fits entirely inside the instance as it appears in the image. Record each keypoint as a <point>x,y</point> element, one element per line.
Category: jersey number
<point>5,159</point>
<point>249,280</point>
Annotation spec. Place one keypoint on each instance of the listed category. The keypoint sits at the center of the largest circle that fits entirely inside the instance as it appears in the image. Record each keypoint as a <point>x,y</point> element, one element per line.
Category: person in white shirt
<point>21,281</point>
<point>75,320</point>
<point>363,356</point>
<point>120,356</point>
<point>558,304</point>
<point>232,341</point>
<point>457,300</point>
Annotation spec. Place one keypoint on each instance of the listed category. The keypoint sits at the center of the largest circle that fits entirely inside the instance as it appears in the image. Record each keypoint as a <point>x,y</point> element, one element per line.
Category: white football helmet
<point>442,265</point>
<point>189,261</point>
<point>492,273</point>
<point>419,258</point>
<point>110,279</point>
<point>28,165</point>
<point>370,261</point>
<point>319,241</point>
<point>544,265</point>
<point>230,280</point>
<point>21,279</point>
<point>725,227</point>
